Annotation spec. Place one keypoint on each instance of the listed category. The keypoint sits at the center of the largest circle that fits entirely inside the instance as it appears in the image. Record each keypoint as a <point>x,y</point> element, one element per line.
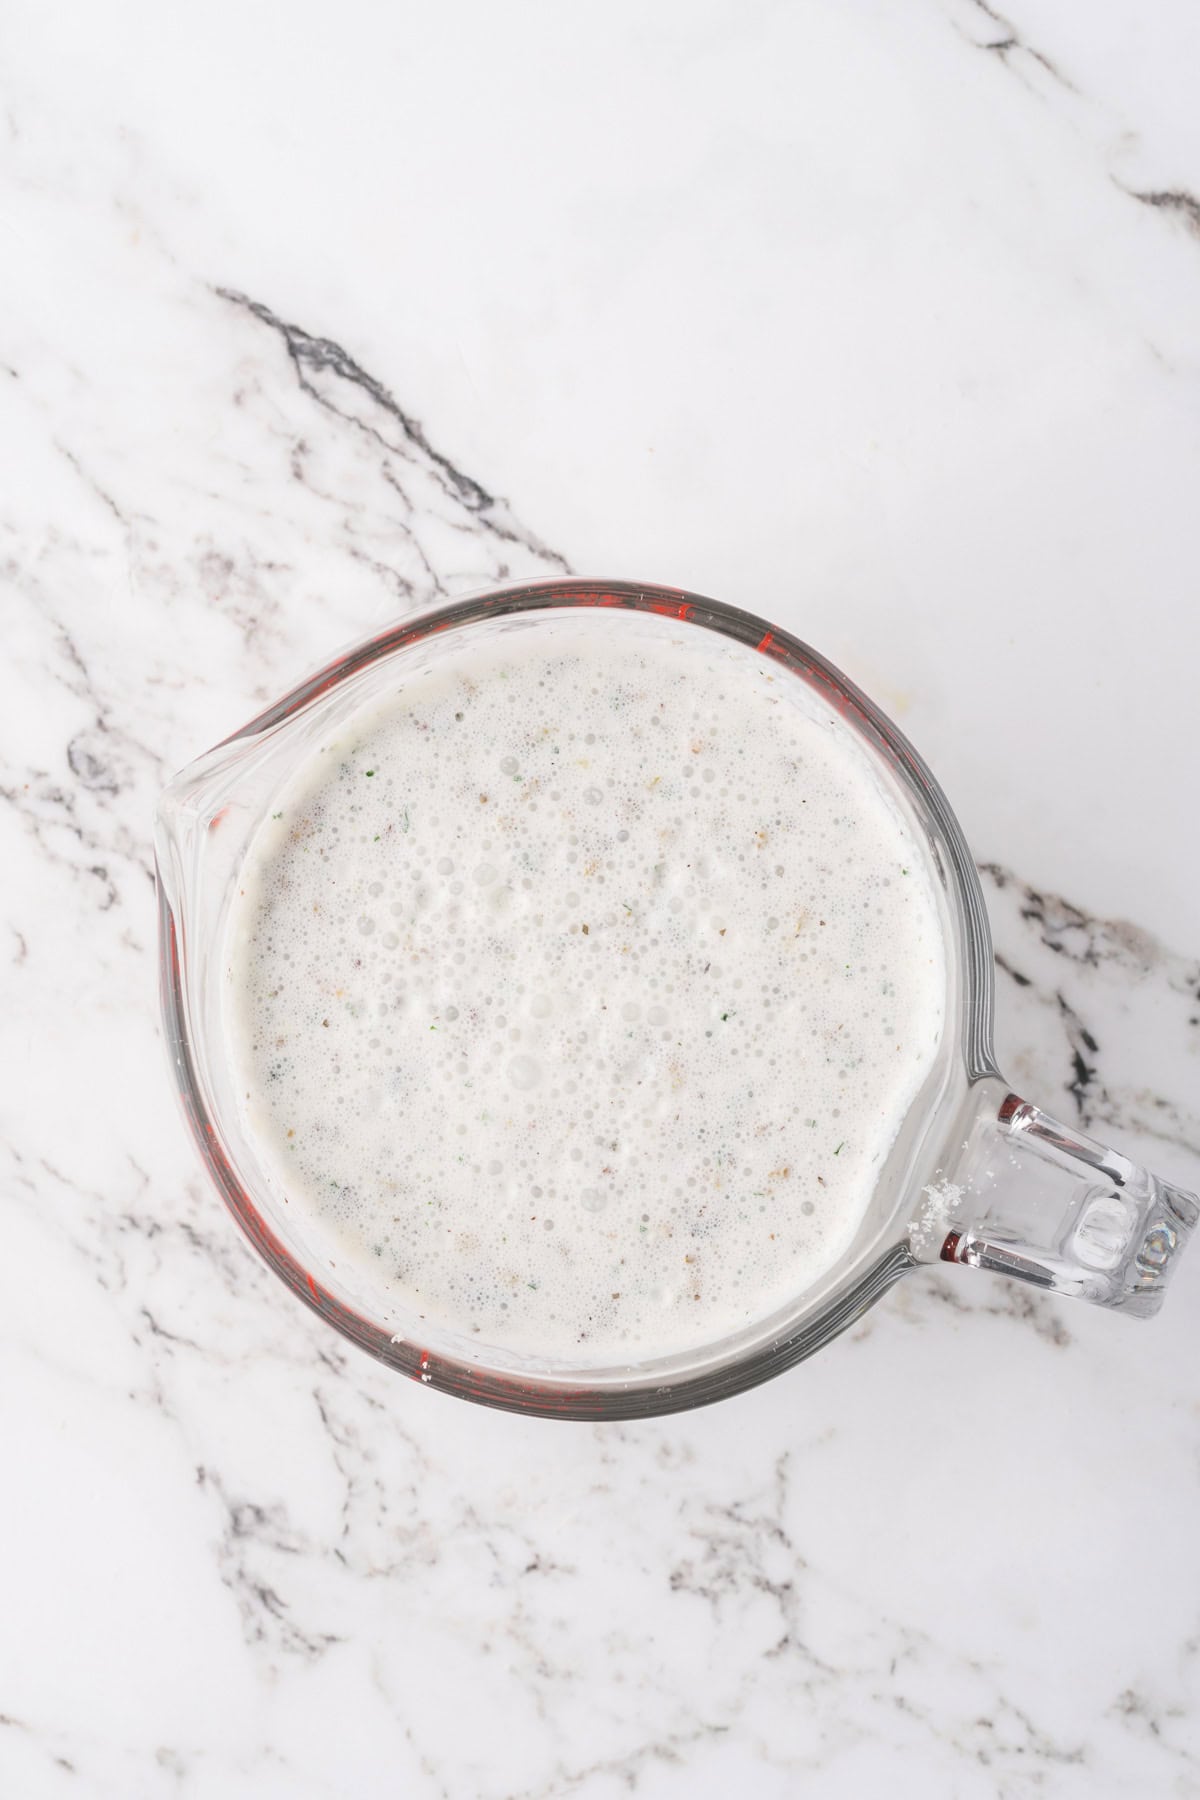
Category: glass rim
<point>610,1394</point>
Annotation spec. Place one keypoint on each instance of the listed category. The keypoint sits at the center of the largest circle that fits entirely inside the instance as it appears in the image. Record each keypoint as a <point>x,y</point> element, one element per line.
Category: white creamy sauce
<point>580,989</point>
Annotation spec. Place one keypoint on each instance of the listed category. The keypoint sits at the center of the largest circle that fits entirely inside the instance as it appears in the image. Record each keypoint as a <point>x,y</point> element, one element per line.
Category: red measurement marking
<point>949,1251</point>
<point>768,645</point>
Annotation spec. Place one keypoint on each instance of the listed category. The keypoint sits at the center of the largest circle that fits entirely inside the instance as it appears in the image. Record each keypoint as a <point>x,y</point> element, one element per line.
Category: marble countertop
<point>880,319</point>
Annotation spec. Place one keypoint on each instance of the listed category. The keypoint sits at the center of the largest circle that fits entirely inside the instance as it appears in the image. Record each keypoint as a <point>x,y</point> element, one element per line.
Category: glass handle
<point>1030,1197</point>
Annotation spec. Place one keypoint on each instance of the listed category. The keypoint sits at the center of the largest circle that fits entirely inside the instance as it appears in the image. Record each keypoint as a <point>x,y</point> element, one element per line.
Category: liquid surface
<point>580,989</point>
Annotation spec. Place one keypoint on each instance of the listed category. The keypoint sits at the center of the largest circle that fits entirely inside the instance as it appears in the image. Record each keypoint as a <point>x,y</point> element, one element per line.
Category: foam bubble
<point>524,1073</point>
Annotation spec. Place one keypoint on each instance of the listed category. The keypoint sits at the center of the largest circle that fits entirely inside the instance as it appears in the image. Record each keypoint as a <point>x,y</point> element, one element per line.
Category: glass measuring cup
<point>977,1175</point>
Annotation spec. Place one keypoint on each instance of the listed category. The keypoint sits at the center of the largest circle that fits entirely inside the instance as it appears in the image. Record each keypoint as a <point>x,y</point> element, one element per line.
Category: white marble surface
<point>881,319</point>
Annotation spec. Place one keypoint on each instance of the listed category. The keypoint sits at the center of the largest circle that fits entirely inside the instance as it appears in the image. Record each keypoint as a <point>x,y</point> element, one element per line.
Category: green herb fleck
<point>277,815</point>
<point>840,1148</point>
<point>370,772</point>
